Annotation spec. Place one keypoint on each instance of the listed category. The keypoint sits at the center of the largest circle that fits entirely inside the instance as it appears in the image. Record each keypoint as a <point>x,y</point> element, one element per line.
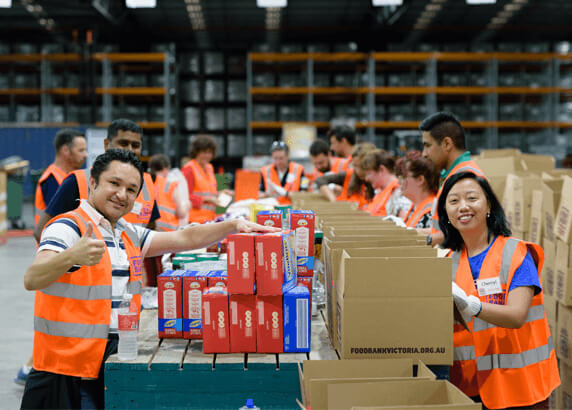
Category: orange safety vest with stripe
<point>377,205</point>
<point>293,180</point>
<point>337,165</point>
<point>164,192</point>
<point>414,215</point>
<point>142,209</point>
<point>469,166</point>
<point>358,197</point>
<point>506,367</point>
<point>72,315</point>
<point>205,186</point>
<point>39,202</point>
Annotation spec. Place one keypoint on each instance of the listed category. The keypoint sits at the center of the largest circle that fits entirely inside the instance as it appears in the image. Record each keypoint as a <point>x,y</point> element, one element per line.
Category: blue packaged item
<point>297,320</point>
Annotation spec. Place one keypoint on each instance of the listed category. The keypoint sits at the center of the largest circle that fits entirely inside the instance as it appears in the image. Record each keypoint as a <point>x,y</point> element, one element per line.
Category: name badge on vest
<point>136,208</point>
<point>489,286</point>
<point>290,178</point>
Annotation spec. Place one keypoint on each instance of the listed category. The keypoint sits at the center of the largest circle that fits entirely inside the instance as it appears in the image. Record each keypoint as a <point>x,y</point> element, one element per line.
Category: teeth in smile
<point>464,217</point>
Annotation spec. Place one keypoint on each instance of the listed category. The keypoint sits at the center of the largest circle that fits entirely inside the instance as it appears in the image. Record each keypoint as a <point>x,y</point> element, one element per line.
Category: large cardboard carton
<point>564,392</point>
<point>563,227</point>
<point>497,167</point>
<point>535,226</point>
<point>318,374</point>
<point>496,153</point>
<point>563,290</point>
<point>548,276</point>
<point>551,310</point>
<point>391,307</point>
<point>564,334</point>
<point>394,395</point>
<point>518,198</point>
<point>551,193</point>
<point>537,163</point>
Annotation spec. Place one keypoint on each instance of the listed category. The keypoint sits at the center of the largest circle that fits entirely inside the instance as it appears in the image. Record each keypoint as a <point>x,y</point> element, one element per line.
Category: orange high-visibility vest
<point>142,208</point>
<point>164,192</point>
<point>506,367</point>
<point>337,165</point>
<point>377,205</point>
<point>39,202</point>
<point>269,173</point>
<point>205,186</point>
<point>414,215</point>
<point>358,197</point>
<point>72,315</point>
<point>469,166</point>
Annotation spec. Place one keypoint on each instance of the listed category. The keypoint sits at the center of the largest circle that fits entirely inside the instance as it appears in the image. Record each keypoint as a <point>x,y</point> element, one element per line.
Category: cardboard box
<point>216,335</point>
<point>242,323</point>
<point>496,153</point>
<point>518,198</point>
<point>275,263</point>
<point>297,320</point>
<point>241,263</point>
<point>170,304</point>
<point>563,290</point>
<point>217,278</point>
<point>537,163</point>
<point>564,334</point>
<point>563,227</point>
<point>303,224</point>
<point>535,226</point>
<point>551,310</point>
<point>269,218</point>
<point>318,374</point>
<point>410,300</point>
<point>548,276</point>
<point>270,328</point>
<point>194,283</point>
<point>564,392</point>
<point>551,193</point>
<point>394,395</point>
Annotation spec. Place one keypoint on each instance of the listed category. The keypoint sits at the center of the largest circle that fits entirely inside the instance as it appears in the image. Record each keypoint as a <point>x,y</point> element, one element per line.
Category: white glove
<point>396,220</point>
<point>468,305</point>
<point>280,191</point>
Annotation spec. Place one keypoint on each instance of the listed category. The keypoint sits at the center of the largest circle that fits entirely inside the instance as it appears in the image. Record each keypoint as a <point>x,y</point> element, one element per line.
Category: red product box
<point>242,323</point>
<point>307,282</point>
<point>269,218</point>
<point>270,328</point>
<point>216,335</point>
<point>303,224</point>
<point>275,263</point>
<point>170,304</point>
<point>241,263</point>
<point>194,282</point>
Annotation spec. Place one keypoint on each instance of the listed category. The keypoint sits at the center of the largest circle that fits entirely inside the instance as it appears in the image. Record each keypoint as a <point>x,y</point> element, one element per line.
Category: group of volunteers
<point>95,227</point>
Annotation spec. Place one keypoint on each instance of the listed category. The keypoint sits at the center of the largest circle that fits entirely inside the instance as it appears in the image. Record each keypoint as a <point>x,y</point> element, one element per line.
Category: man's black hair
<point>496,221</point>
<point>319,147</point>
<point>343,131</point>
<point>102,162</point>
<point>122,124</point>
<point>444,124</point>
<point>65,136</point>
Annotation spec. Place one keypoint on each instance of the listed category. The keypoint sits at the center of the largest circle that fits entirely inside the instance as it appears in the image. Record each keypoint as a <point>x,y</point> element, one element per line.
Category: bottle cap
<point>250,403</point>
<point>127,296</point>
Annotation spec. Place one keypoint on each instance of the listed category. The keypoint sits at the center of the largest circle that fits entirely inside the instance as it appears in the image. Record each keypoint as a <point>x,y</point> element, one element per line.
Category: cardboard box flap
<point>410,251</point>
<point>495,153</point>
<point>371,277</point>
<point>497,167</point>
<point>563,222</point>
<point>537,163</point>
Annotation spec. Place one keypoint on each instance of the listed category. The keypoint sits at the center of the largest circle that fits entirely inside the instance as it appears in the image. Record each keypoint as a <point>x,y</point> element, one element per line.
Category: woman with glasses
<point>419,183</point>
<point>282,176</point>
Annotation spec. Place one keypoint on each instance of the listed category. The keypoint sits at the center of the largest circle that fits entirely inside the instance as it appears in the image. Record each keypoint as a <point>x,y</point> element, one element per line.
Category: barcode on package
<point>302,314</point>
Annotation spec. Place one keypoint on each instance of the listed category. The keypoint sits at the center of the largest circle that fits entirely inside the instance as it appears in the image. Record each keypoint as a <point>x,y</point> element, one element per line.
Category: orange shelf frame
<point>415,124</point>
<point>143,124</point>
<point>131,91</point>
<point>131,57</point>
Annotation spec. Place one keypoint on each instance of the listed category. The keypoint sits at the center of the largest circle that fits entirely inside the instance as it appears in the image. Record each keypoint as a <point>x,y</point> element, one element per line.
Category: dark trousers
<point>45,390</point>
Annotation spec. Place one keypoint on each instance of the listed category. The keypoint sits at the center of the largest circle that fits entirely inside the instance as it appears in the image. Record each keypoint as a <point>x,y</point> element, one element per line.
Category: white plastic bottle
<point>249,405</point>
<point>127,325</point>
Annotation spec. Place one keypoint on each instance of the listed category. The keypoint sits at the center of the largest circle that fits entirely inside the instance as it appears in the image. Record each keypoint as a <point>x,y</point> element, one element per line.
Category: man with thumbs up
<point>87,259</point>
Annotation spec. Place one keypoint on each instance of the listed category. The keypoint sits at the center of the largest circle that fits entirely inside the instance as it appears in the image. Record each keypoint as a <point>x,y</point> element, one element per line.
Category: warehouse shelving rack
<point>427,88</point>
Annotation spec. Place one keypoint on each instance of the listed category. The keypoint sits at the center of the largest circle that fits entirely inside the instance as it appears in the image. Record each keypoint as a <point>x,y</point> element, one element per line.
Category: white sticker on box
<point>169,304</point>
<point>233,312</point>
<point>302,241</point>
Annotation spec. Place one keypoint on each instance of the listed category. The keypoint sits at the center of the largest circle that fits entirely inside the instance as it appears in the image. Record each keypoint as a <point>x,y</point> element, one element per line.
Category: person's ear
<point>106,143</point>
<point>447,144</point>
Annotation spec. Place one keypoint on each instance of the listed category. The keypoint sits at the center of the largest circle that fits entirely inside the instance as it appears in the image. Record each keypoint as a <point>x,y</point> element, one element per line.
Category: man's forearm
<point>47,268</point>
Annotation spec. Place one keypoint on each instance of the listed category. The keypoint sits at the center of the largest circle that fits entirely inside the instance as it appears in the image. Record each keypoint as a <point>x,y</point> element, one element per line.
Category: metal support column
<point>168,82</point>
<point>249,147</point>
<point>106,82</point>
<point>492,101</point>
<point>310,96</point>
<point>46,107</point>
<point>554,98</point>
<point>371,98</point>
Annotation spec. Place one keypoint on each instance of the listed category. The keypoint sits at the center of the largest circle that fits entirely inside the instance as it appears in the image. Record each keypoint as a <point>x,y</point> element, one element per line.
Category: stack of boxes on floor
<point>254,305</point>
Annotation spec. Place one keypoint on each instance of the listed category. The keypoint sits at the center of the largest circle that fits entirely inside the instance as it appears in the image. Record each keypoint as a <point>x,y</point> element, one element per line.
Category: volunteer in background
<point>419,181</point>
<point>201,180</point>
<point>80,280</point>
<point>444,145</point>
<point>282,176</point>
<point>323,162</point>
<point>379,167</point>
<point>508,359</point>
<point>343,139</point>
<point>350,185</point>
<point>122,134</point>
<point>71,152</point>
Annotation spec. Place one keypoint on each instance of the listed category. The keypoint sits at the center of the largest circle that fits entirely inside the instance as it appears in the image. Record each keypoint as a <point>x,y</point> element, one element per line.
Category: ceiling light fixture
<point>481,1</point>
<point>141,4</point>
<point>5,4</point>
<point>271,3</point>
<point>383,3</point>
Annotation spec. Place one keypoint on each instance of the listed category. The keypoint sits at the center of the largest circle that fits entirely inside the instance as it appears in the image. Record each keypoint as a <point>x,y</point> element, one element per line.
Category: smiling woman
<point>496,286</point>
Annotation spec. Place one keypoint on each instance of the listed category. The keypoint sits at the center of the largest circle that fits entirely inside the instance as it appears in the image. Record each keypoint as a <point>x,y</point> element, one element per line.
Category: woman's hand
<point>242,225</point>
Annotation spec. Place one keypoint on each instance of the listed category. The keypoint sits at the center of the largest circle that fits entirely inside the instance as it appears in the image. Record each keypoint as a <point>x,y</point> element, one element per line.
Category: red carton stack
<point>270,329</point>
<point>241,264</point>
<point>275,263</point>
<point>269,218</point>
<point>216,335</point>
<point>242,323</point>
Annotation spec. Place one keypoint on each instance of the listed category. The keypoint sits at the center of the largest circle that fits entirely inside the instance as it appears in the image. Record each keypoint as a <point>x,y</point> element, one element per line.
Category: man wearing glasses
<point>282,176</point>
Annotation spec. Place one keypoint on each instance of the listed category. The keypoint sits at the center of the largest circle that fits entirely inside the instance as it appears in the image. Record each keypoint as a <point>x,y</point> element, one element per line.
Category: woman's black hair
<point>496,221</point>
<point>102,162</point>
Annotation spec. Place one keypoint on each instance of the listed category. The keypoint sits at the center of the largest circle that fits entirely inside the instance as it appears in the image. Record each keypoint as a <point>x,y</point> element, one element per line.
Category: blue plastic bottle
<point>249,405</point>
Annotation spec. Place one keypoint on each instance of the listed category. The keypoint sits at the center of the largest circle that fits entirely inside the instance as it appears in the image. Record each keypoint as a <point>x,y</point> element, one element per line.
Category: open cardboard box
<point>548,273</point>
<point>563,222</point>
<point>551,193</point>
<point>517,198</point>
<point>535,225</point>
<point>399,395</point>
<point>394,307</point>
<point>317,375</point>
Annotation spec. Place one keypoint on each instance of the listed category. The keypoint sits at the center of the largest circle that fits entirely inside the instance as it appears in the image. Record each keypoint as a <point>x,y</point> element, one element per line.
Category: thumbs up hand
<point>88,251</point>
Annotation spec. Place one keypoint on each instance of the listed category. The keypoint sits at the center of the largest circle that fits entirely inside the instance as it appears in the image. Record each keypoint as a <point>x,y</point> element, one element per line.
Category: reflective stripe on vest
<point>534,313</point>
<point>414,216</point>
<point>464,353</point>
<point>66,329</point>
<point>205,184</point>
<point>71,291</point>
<point>515,360</point>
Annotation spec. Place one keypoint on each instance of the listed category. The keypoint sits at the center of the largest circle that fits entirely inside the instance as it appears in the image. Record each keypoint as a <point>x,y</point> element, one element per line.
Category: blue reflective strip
<point>53,243</point>
<point>69,223</point>
<point>120,272</point>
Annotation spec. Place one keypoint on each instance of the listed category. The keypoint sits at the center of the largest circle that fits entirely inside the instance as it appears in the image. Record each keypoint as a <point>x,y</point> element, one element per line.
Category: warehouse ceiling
<point>240,24</point>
